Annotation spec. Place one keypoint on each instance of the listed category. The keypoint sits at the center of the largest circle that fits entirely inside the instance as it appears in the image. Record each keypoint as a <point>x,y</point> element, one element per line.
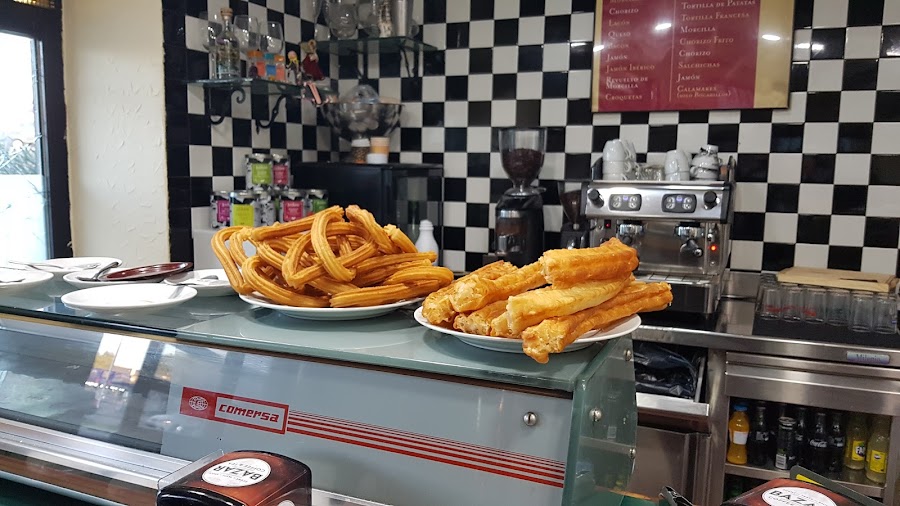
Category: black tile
<point>200,133</point>
<point>579,112</point>
<point>887,106</point>
<point>557,29</point>
<point>278,135</point>
<point>411,139</point>
<point>552,239</point>
<point>455,189</point>
<point>435,11</point>
<point>885,170</point>
<point>477,215</point>
<point>241,7</point>
<point>481,9</point>
<point>411,89</point>
<point>777,257</point>
<point>578,166</point>
<point>528,113</point>
<point>756,116</point>
<point>556,84</point>
<point>581,55</point>
<point>175,63</point>
<point>635,118</point>
<point>882,232</point>
<point>176,95</point>
<point>823,106</point>
<point>827,43</point>
<point>531,8</point>
<point>479,165</point>
<point>818,169</point>
<point>241,132</point>
<point>433,114</point>
<point>865,13</point>
<point>275,16</point>
<point>813,229</point>
<point>457,35</point>
<point>389,67</point>
<point>531,58</point>
<point>455,139</point>
<point>786,138</point>
<point>178,130</point>
<point>662,138</point>
<point>179,191</point>
<point>307,29</point>
<point>556,140</point>
<point>799,76</point>
<point>181,246</point>
<point>293,111</point>
<point>845,257</point>
<point>193,9</point>
<point>479,114</point>
<point>782,198</point>
<point>222,162</point>
<point>506,32</point>
<point>292,7</point>
<point>178,161</point>
<point>803,13</point>
<point>854,137</point>
<point>860,74</point>
<point>602,134</point>
<point>173,27</point>
<point>890,41</point>
<point>481,60</point>
<point>474,261</point>
<point>436,158</point>
<point>724,136</point>
<point>551,195</point>
<point>455,238</point>
<point>748,226</point>
<point>219,102</point>
<point>504,86</point>
<point>457,87</point>
<point>849,199</point>
<point>434,63</point>
<point>201,188</point>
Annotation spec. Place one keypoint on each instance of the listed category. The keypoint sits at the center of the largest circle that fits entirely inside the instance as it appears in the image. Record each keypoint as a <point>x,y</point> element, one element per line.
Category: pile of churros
<point>334,258</point>
<point>550,303</point>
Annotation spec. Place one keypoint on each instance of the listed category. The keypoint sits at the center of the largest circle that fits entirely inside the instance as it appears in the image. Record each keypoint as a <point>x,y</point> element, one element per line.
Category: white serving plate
<point>144,297</point>
<point>32,279</point>
<point>328,313</point>
<point>72,279</point>
<point>506,345</point>
<point>218,287</point>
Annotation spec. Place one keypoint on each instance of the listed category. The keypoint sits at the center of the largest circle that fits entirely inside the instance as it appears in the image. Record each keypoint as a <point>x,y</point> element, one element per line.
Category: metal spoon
<point>41,266</point>
<point>12,280</point>
<point>197,281</point>
<point>177,292</point>
<point>100,272</point>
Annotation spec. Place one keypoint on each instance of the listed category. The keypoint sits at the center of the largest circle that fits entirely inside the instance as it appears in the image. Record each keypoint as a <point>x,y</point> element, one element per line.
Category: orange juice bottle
<point>738,430</point>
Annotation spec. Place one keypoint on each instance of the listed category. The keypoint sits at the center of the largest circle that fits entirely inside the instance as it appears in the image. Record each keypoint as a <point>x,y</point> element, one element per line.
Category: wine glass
<point>369,14</point>
<point>246,29</point>
<point>341,17</point>
<point>212,28</point>
<point>272,40</point>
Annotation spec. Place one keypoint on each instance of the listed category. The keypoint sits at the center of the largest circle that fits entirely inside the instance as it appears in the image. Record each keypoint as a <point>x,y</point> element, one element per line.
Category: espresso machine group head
<point>680,230</point>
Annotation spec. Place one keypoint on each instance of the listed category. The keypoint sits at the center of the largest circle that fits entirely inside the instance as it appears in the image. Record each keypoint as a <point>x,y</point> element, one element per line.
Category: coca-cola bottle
<point>836,442</point>
<point>801,436</point>
<point>758,441</point>
<point>817,457</point>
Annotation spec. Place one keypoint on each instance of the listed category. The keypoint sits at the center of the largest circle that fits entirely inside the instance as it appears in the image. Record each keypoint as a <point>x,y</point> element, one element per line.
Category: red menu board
<point>653,55</point>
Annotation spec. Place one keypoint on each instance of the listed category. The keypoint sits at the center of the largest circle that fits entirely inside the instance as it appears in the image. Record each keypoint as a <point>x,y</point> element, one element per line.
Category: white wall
<point>113,58</point>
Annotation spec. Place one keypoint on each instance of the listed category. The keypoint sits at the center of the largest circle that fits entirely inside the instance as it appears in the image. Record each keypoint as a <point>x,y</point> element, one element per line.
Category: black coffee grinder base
<point>519,228</point>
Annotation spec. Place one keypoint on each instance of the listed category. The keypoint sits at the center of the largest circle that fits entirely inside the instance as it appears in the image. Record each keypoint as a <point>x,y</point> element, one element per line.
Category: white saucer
<point>32,279</point>
<point>328,313</point>
<point>122,298</point>
<point>218,287</point>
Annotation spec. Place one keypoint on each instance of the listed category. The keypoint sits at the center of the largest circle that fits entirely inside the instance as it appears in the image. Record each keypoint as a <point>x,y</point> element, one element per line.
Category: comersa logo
<point>234,410</point>
<point>198,403</point>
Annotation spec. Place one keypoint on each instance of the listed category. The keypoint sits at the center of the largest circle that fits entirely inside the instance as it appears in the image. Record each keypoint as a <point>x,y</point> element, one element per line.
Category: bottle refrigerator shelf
<point>769,472</point>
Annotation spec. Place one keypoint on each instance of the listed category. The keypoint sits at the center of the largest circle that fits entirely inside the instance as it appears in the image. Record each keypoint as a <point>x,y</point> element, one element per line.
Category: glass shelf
<point>373,45</point>
<point>854,480</point>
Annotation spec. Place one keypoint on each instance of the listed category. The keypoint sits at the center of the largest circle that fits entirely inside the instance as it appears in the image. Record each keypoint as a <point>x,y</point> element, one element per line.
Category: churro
<point>567,267</point>
<point>232,270</point>
<point>438,309</point>
<point>320,244</point>
<point>358,215</point>
<point>479,322</point>
<point>271,290</point>
<point>475,293</point>
<point>427,273</point>
<point>401,240</point>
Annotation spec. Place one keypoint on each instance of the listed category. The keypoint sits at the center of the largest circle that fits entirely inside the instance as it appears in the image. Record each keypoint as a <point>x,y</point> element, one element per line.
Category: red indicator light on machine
<point>713,247</point>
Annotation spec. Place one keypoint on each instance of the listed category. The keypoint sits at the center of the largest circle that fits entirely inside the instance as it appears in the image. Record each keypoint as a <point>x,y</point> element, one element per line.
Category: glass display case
<point>381,409</point>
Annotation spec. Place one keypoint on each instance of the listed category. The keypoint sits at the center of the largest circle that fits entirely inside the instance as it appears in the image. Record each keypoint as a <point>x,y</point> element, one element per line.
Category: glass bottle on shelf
<point>877,450</point>
<point>758,441</point>
<point>228,56</point>
<point>857,437</point>
<point>817,456</point>
<point>738,431</point>
<point>800,436</point>
<point>836,442</point>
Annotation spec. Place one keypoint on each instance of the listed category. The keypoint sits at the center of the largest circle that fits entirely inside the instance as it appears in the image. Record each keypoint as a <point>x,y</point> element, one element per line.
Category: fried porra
<point>476,293</point>
<point>567,267</point>
<point>438,309</point>
<point>479,322</point>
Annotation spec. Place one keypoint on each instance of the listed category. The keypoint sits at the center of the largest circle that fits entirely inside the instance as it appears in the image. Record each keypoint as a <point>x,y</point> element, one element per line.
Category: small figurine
<point>293,69</point>
<point>310,63</point>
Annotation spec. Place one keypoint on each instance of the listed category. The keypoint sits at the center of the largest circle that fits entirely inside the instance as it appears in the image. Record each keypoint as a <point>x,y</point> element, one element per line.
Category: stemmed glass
<point>246,30</point>
<point>213,29</point>
<point>341,17</point>
<point>272,38</point>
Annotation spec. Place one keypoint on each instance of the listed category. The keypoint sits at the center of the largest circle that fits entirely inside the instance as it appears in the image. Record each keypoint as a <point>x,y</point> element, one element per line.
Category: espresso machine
<point>681,231</point>
<point>519,225</point>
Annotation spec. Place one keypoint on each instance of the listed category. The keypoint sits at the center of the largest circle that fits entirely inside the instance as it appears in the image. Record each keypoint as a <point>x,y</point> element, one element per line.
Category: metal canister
<point>258,170</point>
<point>293,205</point>
<point>265,204</point>
<point>244,208</point>
<point>786,452</point>
<point>281,171</point>
<point>317,198</point>
<point>219,209</point>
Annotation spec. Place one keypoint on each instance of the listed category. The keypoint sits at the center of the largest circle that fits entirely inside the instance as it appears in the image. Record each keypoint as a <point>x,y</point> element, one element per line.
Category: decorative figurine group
<point>308,70</point>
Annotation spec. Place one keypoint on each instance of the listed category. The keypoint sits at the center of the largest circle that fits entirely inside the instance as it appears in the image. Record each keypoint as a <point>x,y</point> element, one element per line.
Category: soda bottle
<point>877,450</point>
<point>780,411</point>
<point>800,436</point>
<point>857,436</point>
<point>836,442</point>
<point>738,431</point>
<point>817,456</point>
<point>758,441</point>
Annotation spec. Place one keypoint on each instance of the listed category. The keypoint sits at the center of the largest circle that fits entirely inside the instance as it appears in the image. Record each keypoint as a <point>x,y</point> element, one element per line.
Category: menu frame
<point>736,38</point>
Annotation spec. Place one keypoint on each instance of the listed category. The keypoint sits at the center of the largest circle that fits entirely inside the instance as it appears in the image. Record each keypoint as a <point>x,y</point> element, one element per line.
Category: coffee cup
<point>705,161</point>
<point>704,173</point>
<point>678,176</point>
<point>630,152</point>
<point>614,176</point>
<point>614,151</point>
<point>616,167</point>
<point>676,161</point>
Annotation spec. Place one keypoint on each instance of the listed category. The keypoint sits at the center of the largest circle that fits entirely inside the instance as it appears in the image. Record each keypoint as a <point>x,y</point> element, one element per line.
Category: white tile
<point>857,106</point>
<point>750,197</point>
<point>863,42</point>
<point>200,217</point>
<point>802,42</point>
<point>261,139</point>
<point>656,158</point>
<point>691,135</point>
<point>554,111</point>
<point>201,161</point>
<point>531,30</point>
<point>724,117</point>
<point>883,201</point>
<point>607,118</point>
<point>291,27</point>
<point>389,87</point>
<point>454,260</point>
<point>746,255</point>
<point>432,140</point>
<point>478,190</point>
<point>481,33</point>
<point>195,33</point>
<point>503,112</point>
<point>553,218</point>
<point>665,118</point>
<point>781,228</point>
<point>796,111</point>
<point>478,140</point>
<point>554,166</point>
<point>481,87</point>
<point>294,134</point>
<point>410,115</point>
<point>820,138</point>
<point>889,73</point>
<point>815,198</point>
<point>754,138</point>
<point>879,260</point>
<point>852,168</point>
<point>435,34</point>
<point>582,27</point>
<point>785,168</point>
<point>410,157</point>
<point>434,89</point>
<point>556,57</point>
<point>639,135</point>
<point>307,9</point>
<point>891,13</point>
<point>885,138</point>
<point>826,75</point>
<point>222,134</point>
<point>238,157</point>
<point>557,7</point>
<point>458,12</point>
<point>323,138</point>
<point>195,100</point>
<point>477,239</point>
<point>456,114</point>
<point>529,85</point>
<point>579,84</point>
<point>223,183</point>
<point>506,9</point>
<point>830,13</point>
<point>811,255</point>
<point>454,214</point>
<point>257,11</point>
<point>578,139</point>
<point>506,60</point>
<point>847,230</point>
<point>497,166</point>
<point>455,165</point>
<point>457,62</point>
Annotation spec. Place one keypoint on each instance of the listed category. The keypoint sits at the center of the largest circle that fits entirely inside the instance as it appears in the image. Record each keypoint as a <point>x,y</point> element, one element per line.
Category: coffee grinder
<point>520,212</point>
<point>575,231</point>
